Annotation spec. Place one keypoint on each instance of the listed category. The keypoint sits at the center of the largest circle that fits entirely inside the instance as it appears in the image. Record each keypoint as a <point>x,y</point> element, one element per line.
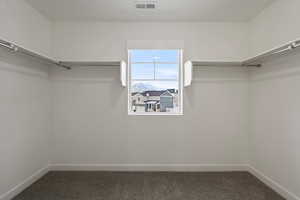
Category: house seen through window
<point>155,82</point>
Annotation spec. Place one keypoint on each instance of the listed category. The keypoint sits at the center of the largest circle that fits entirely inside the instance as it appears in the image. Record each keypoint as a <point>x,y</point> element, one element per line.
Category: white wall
<point>90,119</point>
<point>24,97</point>
<point>274,103</point>
<point>91,125</point>
<point>276,25</point>
<point>107,41</point>
<point>86,134</point>
<point>24,116</point>
<point>275,114</point>
<point>23,25</point>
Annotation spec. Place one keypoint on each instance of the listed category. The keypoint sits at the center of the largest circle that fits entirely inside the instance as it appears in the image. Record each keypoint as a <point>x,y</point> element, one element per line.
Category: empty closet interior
<point>218,94</point>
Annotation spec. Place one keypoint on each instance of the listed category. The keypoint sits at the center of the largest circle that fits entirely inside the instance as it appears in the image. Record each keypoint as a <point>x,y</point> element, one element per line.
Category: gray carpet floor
<point>148,186</point>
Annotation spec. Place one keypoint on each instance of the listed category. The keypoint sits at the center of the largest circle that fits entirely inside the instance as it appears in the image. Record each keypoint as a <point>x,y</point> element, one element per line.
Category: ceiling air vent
<point>145,4</point>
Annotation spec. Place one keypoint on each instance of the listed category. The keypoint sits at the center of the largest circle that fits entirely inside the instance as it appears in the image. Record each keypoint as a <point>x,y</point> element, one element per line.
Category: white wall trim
<point>272,184</point>
<point>149,167</point>
<point>24,184</point>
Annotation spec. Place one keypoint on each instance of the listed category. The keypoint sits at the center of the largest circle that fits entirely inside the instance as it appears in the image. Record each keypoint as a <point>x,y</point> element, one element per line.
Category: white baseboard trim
<point>273,184</point>
<point>24,184</point>
<point>149,167</point>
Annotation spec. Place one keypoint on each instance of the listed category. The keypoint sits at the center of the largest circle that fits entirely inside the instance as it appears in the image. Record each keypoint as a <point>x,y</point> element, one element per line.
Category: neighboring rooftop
<point>155,92</point>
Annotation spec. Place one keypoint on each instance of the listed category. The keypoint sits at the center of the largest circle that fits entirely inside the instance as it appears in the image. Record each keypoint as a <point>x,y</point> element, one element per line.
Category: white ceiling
<point>167,10</point>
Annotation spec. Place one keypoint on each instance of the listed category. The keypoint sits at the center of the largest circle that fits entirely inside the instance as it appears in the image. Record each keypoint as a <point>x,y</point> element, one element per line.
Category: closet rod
<point>216,63</point>
<point>14,48</point>
<point>274,52</point>
<point>91,63</point>
<point>252,62</point>
<point>222,64</point>
<point>255,61</point>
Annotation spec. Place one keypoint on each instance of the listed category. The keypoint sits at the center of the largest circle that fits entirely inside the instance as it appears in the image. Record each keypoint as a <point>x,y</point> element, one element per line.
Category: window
<point>155,82</point>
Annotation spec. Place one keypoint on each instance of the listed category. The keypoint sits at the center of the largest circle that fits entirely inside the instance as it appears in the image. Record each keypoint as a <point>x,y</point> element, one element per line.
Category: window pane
<point>141,56</point>
<point>155,56</point>
<point>167,71</point>
<point>142,71</point>
<point>154,96</point>
<point>154,84</point>
<point>167,56</point>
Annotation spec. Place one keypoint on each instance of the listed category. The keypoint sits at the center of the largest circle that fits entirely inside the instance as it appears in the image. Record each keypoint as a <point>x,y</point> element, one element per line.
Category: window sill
<point>154,114</point>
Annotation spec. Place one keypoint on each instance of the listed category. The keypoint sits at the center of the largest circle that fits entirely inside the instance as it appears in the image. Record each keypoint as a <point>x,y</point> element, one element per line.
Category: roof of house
<point>155,93</point>
<point>167,93</point>
<point>172,90</point>
<point>152,93</point>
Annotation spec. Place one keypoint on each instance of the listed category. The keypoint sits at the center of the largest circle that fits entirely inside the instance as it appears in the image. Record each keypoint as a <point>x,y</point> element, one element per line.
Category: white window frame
<point>180,86</point>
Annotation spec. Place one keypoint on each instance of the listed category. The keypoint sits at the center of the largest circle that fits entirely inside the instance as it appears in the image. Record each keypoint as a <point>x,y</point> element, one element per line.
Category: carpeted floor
<point>148,186</point>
